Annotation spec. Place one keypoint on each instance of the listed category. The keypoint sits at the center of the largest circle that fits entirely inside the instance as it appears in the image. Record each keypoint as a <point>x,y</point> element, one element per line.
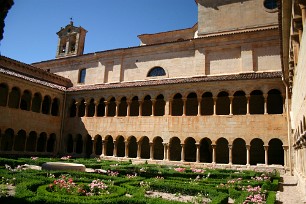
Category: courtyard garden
<point>123,182</point>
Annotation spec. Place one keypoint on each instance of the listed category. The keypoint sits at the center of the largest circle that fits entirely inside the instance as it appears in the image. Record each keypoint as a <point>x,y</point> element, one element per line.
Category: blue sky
<point>31,25</point>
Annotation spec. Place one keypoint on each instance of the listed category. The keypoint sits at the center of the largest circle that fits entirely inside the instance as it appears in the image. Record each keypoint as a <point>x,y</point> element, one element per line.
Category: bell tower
<point>71,41</point>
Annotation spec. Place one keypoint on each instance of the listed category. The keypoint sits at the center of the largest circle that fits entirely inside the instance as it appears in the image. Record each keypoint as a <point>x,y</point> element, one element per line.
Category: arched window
<point>156,71</point>
<point>46,105</point>
<point>82,76</point>
<point>55,107</point>
<point>270,4</point>
<point>3,94</point>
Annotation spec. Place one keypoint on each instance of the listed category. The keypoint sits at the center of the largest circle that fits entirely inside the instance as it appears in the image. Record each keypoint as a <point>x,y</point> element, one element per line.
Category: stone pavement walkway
<point>288,192</point>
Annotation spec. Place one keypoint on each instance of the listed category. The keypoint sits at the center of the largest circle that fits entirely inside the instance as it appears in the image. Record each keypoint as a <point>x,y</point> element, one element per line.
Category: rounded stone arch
<point>144,147</point>
<point>31,142</point>
<point>81,108</point>
<point>257,102</point>
<point>42,142</point>
<point>7,140</point>
<point>123,107</point>
<point>175,149</point>
<point>132,147</point>
<point>51,142</point>
<point>160,103</point>
<point>25,101</point>
<point>147,106</point>
<point>275,152</point>
<point>190,149</point>
<point>205,150</point>
<point>46,104</point>
<point>88,145</point>
<point>98,144</point>
<point>111,107</point>
<point>134,107</point>
<point>20,140</point>
<point>192,104</point>
<point>101,108</point>
<point>55,107</point>
<point>275,102</point>
<point>109,145</point>
<point>72,109</point>
<point>177,105</point>
<point>239,103</point>
<point>36,102</point>
<point>79,144</point>
<point>257,152</point>
<point>120,141</point>
<point>158,148</point>
<point>156,72</point>
<point>91,108</point>
<point>207,104</point>
<point>222,151</point>
<point>223,103</point>
<point>14,97</point>
<point>69,143</point>
<point>239,151</point>
<point>4,91</point>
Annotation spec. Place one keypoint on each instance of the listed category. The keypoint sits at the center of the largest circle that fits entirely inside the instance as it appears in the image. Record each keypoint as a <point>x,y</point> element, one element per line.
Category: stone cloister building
<point>211,94</point>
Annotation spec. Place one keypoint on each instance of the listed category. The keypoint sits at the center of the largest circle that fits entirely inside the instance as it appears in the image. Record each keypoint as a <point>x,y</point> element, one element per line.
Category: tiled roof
<point>232,77</point>
<point>31,79</point>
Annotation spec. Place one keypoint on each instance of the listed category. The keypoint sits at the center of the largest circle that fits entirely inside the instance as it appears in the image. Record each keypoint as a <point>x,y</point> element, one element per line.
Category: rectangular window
<point>82,76</point>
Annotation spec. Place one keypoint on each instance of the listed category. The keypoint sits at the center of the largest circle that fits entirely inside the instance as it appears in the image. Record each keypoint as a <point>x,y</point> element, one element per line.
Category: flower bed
<point>122,182</point>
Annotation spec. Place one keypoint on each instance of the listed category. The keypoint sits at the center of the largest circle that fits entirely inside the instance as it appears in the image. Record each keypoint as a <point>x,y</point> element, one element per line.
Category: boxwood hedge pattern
<point>130,183</point>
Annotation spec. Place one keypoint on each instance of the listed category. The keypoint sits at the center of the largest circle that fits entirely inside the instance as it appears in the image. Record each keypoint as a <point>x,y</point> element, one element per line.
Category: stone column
<point>153,106</point>
<point>167,108</point>
<point>76,109</point>
<point>266,147</point>
<point>214,153</point>
<point>103,148</point>
<point>115,149</point>
<point>231,104</point>
<point>165,151</point>
<point>198,152</point>
<point>230,154</point>
<point>284,103</point>
<point>183,153</point>
<point>128,108</point>
<point>151,151</point>
<point>248,147</point>
<point>138,150</point>
<point>199,106</point>
<point>303,11</point>
<point>86,108</point>
<point>248,105</point>
<point>140,107</point>
<point>126,143</point>
<point>106,108</point>
<point>117,108</point>
<point>215,105</point>
<point>184,106</point>
<point>96,108</point>
<point>285,155</point>
<point>266,103</point>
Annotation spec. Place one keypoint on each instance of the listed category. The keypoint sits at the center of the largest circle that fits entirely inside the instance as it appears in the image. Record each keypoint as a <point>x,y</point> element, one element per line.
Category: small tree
<point>5,6</point>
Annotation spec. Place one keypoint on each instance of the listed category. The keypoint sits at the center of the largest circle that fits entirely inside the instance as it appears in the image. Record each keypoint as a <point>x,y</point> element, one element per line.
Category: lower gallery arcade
<point>189,150</point>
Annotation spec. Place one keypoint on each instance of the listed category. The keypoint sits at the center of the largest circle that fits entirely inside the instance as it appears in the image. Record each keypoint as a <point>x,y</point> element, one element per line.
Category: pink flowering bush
<point>130,176</point>
<point>256,195</point>
<point>180,169</point>
<point>112,173</point>
<point>34,158</point>
<point>197,170</point>
<point>65,185</point>
<point>65,157</point>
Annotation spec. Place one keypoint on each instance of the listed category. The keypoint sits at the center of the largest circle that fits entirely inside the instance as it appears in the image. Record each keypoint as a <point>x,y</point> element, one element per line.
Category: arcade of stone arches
<point>192,104</point>
<point>188,150</point>
<point>31,143</point>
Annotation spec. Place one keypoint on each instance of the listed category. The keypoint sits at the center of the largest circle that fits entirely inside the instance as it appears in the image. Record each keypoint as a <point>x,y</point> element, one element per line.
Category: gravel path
<point>289,193</point>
